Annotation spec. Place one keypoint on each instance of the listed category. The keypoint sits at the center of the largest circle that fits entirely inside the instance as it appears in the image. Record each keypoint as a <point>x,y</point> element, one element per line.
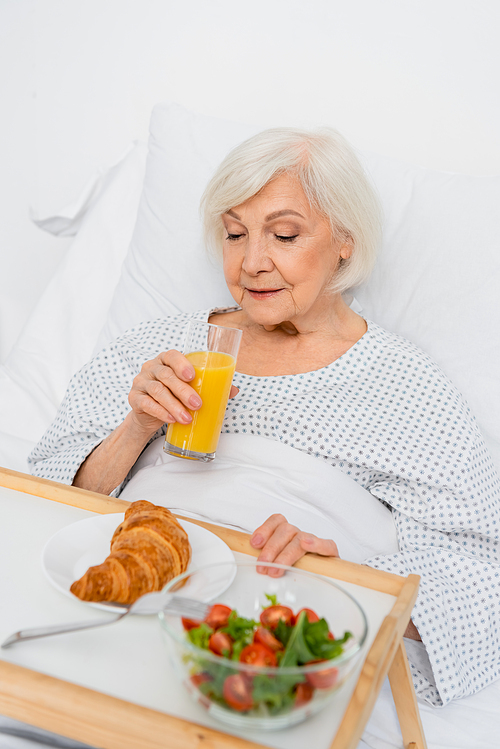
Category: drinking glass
<point>212,351</point>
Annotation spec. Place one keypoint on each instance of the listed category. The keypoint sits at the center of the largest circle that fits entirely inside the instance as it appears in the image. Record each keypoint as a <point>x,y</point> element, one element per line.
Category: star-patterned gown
<point>386,415</point>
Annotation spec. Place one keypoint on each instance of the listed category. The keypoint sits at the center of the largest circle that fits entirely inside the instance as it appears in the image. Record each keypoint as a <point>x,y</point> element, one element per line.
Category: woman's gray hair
<point>331,176</point>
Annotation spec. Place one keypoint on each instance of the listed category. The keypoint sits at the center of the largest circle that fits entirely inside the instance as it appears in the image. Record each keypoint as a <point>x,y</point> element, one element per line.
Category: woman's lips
<point>263,293</point>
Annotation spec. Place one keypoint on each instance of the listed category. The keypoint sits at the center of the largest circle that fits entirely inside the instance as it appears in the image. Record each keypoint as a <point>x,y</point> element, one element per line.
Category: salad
<point>279,640</point>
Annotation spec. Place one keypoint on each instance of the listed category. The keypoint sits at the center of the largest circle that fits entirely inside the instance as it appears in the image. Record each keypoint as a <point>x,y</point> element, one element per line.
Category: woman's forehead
<point>281,197</point>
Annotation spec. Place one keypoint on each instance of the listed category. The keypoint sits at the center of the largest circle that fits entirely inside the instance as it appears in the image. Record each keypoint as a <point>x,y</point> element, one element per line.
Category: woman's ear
<point>346,249</point>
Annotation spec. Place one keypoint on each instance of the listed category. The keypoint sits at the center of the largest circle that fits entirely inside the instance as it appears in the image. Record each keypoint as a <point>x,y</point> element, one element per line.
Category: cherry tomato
<point>237,692</point>
<point>303,693</point>
<point>217,616</point>
<point>221,644</point>
<point>200,678</point>
<point>272,615</point>
<point>265,637</point>
<point>331,636</point>
<point>323,679</point>
<point>311,616</point>
<point>190,623</point>
<point>257,655</point>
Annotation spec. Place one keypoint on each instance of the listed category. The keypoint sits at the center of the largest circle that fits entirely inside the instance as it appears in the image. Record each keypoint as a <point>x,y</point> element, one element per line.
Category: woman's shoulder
<point>403,356</point>
<point>394,343</point>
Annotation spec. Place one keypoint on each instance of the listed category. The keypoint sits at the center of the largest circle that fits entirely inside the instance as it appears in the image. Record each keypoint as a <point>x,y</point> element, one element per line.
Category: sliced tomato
<point>303,693</point>
<point>197,680</point>
<point>331,636</point>
<point>237,692</point>
<point>190,623</point>
<point>323,679</point>
<point>266,638</point>
<point>257,655</point>
<point>221,644</point>
<point>311,616</point>
<point>200,678</point>
<point>217,616</point>
<point>273,614</point>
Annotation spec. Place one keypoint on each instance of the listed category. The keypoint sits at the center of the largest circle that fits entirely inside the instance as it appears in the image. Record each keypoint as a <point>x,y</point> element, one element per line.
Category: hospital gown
<point>386,415</point>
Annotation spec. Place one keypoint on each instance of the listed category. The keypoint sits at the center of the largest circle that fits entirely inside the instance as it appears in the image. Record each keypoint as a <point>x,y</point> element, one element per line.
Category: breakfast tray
<point>104,721</point>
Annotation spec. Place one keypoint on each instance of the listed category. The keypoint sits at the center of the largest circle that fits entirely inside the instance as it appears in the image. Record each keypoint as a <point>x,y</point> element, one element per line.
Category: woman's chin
<point>264,318</point>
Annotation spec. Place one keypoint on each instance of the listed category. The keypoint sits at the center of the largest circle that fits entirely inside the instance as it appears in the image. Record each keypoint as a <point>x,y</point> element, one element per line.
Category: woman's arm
<point>110,462</point>
<point>159,395</point>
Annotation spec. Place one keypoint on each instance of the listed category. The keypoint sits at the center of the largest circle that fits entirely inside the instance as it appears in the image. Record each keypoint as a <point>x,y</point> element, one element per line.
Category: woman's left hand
<point>284,543</point>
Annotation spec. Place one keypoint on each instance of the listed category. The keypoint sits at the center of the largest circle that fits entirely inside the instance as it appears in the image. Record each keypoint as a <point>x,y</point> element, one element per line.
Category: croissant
<point>148,549</point>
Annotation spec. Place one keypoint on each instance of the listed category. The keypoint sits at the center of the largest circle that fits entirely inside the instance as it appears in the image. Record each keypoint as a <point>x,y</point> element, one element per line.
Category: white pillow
<point>61,333</point>
<point>167,269</point>
<point>437,280</point>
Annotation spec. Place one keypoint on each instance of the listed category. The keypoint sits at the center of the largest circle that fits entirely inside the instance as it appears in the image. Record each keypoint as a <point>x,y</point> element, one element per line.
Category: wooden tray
<point>104,721</point>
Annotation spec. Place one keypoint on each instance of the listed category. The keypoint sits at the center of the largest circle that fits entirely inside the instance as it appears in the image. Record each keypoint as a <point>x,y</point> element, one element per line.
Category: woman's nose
<point>257,257</point>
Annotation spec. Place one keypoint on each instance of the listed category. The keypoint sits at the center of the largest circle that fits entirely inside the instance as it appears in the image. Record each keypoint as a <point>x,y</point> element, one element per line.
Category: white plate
<point>72,550</point>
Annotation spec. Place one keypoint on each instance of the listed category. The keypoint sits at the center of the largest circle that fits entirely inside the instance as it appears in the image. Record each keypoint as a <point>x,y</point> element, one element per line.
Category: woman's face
<point>280,255</point>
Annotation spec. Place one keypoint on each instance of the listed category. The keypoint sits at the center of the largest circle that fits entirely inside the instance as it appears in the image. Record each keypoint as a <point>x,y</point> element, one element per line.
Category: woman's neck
<point>294,347</point>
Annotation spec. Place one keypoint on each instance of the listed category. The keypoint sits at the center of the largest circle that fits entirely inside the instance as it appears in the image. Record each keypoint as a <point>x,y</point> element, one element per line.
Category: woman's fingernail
<point>188,373</point>
<point>195,401</point>
<point>257,540</point>
<point>308,540</point>
<point>186,418</point>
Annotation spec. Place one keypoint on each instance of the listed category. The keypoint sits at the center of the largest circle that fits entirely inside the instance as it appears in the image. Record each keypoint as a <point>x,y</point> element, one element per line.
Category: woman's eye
<point>233,237</point>
<point>284,238</point>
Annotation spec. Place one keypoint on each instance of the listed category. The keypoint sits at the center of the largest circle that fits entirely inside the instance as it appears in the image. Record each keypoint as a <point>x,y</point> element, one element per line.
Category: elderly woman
<point>297,224</point>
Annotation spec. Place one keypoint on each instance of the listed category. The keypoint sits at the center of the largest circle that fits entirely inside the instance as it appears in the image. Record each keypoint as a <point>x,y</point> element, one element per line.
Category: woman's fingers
<point>161,393</point>
<point>283,543</point>
<point>177,362</point>
<point>161,390</point>
<point>261,535</point>
<point>314,545</point>
<point>175,372</point>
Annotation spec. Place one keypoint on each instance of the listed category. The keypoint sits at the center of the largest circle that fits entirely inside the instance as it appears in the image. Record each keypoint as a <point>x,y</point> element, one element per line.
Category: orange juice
<point>212,381</point>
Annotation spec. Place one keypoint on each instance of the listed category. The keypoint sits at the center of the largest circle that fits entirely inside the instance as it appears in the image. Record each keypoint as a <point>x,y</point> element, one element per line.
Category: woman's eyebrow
<point>271,216</point>
<point>285,212</point>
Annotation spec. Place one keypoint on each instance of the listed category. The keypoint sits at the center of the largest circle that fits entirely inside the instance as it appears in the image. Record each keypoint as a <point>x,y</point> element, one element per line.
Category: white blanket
<point>254,477</point>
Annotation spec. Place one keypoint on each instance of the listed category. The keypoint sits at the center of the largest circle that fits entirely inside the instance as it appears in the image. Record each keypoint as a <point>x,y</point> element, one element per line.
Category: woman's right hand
<point>161,393</point>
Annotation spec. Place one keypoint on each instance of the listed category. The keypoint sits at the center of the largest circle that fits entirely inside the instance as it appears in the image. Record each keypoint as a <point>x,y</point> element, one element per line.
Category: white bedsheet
<point>254,477</point>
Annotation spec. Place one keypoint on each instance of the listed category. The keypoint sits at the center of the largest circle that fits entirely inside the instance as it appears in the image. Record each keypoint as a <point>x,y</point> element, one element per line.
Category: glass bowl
<point>265,697</point>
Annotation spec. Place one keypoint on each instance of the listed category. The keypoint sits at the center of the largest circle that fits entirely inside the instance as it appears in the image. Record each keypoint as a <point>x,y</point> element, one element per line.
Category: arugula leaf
<point>200,636</point>
<point>276,691</point>
<point>318,642</point>
<point>297,650</point>
<point>273,600</point>
<point>219,672</point>
<point>283,632</point>
<point>240,630</point>
<point>309,641</point>
<point>237,648</point>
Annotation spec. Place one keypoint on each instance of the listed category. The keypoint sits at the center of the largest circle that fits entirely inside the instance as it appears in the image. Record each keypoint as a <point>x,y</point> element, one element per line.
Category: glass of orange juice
<point>212,350</point>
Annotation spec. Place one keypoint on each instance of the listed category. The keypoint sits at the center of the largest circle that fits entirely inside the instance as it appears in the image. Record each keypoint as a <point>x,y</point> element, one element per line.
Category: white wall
<point>415,79</point>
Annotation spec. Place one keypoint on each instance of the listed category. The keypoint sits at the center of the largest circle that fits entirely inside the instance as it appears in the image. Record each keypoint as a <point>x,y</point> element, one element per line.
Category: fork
<point>150,603</point>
